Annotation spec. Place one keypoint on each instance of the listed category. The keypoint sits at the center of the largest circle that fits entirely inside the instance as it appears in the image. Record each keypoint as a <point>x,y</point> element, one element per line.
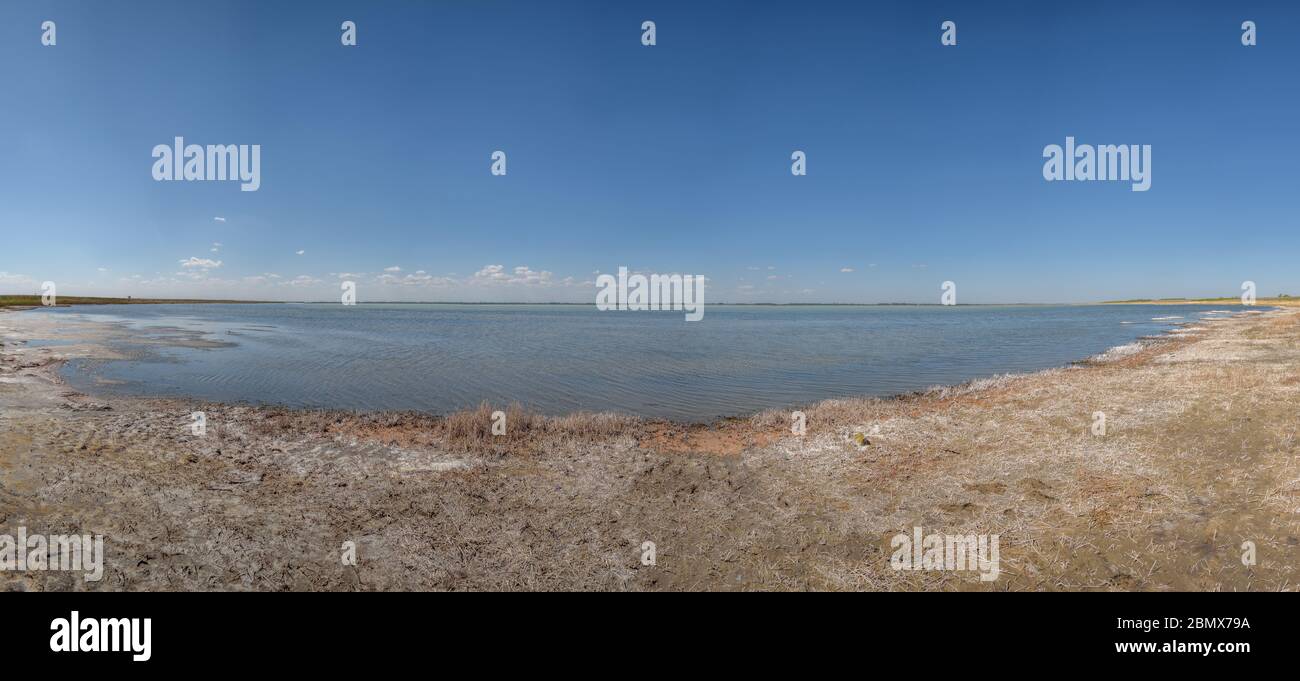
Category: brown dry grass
<point>1200,455</point>
<point>463,431</point>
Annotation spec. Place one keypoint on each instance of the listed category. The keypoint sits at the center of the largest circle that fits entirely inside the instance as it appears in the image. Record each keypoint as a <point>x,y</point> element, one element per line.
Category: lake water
<point>560,358</point>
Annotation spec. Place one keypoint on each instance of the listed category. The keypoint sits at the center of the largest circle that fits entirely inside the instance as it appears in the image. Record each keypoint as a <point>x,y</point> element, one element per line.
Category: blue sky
<point>924,161</point>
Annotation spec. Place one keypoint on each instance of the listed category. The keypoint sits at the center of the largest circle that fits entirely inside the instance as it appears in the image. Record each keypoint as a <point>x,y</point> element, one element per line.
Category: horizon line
<point>227,301</point>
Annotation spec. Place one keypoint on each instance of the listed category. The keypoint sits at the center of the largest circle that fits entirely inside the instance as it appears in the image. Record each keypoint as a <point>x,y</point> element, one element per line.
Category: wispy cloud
<point>200,263</point>
<point>846,269</point>
<point>420,278</point>
<point>219,219</point>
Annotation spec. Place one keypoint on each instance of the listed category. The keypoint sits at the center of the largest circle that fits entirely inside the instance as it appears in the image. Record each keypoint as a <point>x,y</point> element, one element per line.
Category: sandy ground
<point>1200,455</point>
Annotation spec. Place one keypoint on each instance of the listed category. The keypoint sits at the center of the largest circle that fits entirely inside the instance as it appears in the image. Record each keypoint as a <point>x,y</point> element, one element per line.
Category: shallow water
<point>563,358</point>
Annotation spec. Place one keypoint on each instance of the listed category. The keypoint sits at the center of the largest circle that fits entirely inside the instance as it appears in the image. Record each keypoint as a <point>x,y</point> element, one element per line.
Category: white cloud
<point>846,269</point>
<point>394,268</point>
<point>201,263</point>
<point>301,252</point>
<point>219,219</point>
<point>523,275</point>
<point>493,272</point>
<point>528,277</point>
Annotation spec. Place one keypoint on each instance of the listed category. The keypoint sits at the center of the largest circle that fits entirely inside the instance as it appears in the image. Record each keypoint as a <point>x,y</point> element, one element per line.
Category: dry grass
<point>463,431</point>
<point>1200,454</point>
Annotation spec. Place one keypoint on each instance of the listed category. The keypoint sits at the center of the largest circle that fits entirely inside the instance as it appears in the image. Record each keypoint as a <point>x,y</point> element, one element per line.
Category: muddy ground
<point>1199,456</point>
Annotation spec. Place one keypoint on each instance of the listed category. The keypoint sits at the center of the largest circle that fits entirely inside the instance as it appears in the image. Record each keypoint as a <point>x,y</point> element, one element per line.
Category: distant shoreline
<point>34,301</point>
<point>1286,301</point>
<point>19,302</point>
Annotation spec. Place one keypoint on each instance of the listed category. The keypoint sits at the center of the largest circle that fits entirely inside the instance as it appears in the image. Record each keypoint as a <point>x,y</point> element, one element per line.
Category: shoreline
<point>1261,302</point>
<point>50,370</point>
<point>1168,335</point>
<point>266,497</point>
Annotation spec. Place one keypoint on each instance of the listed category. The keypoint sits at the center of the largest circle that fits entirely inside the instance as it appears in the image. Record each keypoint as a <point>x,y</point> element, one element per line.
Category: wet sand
<point>1200,455</point>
